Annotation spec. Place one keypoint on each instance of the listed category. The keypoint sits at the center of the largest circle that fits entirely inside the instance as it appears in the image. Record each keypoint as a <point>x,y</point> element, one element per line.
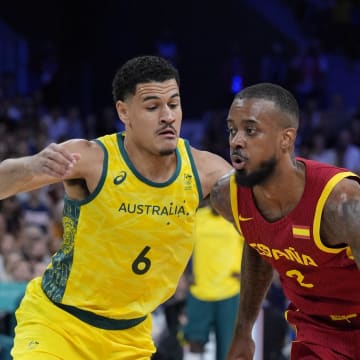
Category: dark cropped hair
<point>281,97</point>
<point>141,69</point>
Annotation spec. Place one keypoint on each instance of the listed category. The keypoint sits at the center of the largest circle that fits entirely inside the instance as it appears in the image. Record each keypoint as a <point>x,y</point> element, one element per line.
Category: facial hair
<point>258,176</point>
<point>167,152</point>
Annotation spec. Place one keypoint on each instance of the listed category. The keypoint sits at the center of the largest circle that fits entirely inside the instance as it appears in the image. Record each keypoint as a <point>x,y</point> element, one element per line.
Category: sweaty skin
<point>261,150</point>
<point>146,92</point>
<point>152,118</point>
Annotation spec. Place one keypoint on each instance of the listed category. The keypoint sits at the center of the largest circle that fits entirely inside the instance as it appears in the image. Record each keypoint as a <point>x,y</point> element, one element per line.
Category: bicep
<point>340,220</point>
<point>350,214</point>
<point>87,171</point>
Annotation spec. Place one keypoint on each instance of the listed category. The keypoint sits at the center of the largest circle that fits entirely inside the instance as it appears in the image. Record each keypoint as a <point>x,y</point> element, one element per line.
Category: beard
<point>167,152</point>
<point>258,176</point>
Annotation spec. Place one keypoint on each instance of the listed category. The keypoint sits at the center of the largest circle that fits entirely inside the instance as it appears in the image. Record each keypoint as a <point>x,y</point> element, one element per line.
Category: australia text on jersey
<point>150,209</point>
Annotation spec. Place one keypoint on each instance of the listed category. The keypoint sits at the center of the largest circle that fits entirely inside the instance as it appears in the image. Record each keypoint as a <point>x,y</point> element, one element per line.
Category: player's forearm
<point>14,173</point>
<point>256,277</point>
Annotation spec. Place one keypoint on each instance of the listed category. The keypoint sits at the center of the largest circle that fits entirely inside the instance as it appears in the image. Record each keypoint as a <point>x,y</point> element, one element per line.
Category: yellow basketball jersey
<point>217,255</point>
<point>126,245</point>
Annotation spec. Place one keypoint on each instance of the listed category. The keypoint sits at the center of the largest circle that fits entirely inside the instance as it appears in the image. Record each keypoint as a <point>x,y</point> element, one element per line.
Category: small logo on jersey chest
<point>33,344</point>
<point>120,178</point>
<point>188,181</point>
<point>301,232</point>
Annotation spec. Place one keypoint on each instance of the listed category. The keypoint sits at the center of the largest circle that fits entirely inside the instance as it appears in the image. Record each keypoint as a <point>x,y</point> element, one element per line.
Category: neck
<point>280,196</point>
<point>154,167</point>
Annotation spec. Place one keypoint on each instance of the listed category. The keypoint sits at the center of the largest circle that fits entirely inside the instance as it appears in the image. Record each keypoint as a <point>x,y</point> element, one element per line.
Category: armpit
<point>76,189</point>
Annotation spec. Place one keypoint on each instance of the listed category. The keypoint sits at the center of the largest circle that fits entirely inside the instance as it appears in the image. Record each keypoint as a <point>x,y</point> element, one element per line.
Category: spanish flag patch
<point>301,232</point>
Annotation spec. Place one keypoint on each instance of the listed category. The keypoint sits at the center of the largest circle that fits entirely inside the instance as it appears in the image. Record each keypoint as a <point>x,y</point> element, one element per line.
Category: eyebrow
<point>155,97</point>
<point>248,121</point>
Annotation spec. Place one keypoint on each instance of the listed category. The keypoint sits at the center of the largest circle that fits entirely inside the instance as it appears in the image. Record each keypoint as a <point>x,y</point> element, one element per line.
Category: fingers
<point>57,162</point>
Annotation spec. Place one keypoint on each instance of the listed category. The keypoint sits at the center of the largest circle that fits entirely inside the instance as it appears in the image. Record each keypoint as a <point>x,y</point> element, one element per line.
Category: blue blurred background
<point>58,59</point>
<point>71,49</point>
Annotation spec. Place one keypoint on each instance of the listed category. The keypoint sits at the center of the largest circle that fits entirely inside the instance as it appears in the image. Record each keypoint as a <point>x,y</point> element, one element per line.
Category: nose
<point>237,140</point>
<point>167,115</point>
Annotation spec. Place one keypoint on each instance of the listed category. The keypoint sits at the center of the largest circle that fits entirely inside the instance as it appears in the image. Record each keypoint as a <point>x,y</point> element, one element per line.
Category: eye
<point>251,131</point>
<point>151,107</point>
<point>173,105</point>
<point>231,131</point>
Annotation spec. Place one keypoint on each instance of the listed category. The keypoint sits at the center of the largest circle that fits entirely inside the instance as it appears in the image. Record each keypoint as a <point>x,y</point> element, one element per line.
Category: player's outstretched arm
<point>53,164</point>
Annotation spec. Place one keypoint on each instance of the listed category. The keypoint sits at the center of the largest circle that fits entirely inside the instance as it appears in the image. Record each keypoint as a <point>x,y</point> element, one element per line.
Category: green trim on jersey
<point>126,245</point>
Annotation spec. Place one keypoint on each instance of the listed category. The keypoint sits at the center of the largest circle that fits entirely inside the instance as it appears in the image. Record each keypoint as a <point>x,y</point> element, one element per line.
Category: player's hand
<point>54,160</point>
<point>242,348</point>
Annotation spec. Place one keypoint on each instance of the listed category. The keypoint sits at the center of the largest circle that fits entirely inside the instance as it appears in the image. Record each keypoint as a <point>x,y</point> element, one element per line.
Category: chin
<point>167,152</point>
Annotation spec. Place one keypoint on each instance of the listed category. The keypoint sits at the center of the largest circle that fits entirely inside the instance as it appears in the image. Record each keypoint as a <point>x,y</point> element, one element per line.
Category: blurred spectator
<point>348,154</point>
<point>34,246</point>
<point>309,72</point>
<point>57,125</point>
<point>76,127</point>
<point>8,245</point>
<point>334,117</point>
<point>90,126</point>
<point>354,127</point>
<point>311,119</point>
<point>319,150</point>
<point>2,225</point>
<point>12,212</point>
<point>17,268</point>
<point>35,210</point>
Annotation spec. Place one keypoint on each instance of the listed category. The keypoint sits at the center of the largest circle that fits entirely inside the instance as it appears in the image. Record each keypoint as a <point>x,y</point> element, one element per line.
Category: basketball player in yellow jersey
<point>128,219</point>
<point>212,302</point>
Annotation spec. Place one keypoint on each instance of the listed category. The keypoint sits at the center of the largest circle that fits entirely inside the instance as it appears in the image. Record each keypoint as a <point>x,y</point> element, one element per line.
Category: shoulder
<point>91,156</point>
<point>344,193</point>
<point>346,188</point>
<point>79,145</point>
<point>341,212</point>
<point>210,167</point>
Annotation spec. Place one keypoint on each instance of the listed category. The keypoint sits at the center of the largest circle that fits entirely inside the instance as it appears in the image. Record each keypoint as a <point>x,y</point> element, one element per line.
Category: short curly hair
<point>141,69</point>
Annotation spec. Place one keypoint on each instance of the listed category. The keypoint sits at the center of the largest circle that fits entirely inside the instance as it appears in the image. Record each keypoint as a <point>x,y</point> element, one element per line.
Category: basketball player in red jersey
<point>299,217</point>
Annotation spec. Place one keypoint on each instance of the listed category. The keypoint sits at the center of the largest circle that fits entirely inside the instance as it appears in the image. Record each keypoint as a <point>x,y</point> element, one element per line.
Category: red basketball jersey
<point>317,279</point>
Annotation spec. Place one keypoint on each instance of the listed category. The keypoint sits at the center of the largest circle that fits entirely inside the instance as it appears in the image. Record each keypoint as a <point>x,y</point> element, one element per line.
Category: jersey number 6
<point>142,264</point>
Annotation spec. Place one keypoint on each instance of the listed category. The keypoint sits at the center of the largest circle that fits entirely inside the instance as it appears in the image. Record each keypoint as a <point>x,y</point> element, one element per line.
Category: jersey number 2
<point>299,278</point>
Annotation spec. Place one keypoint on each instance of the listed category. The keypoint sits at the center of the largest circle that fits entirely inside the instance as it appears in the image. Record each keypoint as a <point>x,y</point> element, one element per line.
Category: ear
<point>122,111</point>
<point>288,137</point>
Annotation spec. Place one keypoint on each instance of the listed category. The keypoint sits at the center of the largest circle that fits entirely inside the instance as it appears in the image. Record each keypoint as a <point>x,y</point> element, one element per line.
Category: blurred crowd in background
<point>33,115</point>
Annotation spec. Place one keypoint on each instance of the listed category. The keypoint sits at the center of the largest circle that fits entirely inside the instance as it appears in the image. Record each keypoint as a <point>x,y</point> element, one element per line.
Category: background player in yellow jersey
<point>212,302</point>
<point>129,216</point>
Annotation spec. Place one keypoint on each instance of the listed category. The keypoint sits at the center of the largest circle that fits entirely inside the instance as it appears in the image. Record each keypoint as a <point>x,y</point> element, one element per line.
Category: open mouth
<point>238,162</point>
